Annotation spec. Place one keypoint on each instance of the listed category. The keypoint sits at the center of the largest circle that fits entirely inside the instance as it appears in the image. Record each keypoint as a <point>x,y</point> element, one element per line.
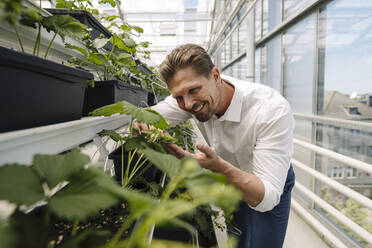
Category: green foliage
<point>108,110</point>
<point>20,185</point>
<point>141,115</point>
<point>165,162</point>
<point>351,209</point>
<point>84,196</point>
<point>88,239</point>
<point>63,166</point>
<point>112,134</point>
<point>64,25</point>
<point>14,12</point>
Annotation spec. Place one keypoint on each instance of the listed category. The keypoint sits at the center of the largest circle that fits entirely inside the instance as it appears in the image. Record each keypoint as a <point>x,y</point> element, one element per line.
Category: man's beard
<point>205,117</point>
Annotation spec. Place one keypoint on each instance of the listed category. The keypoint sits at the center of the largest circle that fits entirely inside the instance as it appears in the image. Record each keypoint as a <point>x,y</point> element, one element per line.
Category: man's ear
<point>215,73</point>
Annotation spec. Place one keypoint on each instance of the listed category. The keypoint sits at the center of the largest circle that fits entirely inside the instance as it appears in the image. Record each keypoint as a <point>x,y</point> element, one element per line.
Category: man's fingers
<point>205,149</point>
<point>177,151</point>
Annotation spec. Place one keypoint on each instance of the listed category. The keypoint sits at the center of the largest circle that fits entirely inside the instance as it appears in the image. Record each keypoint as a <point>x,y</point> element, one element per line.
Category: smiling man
<point>249,130</point>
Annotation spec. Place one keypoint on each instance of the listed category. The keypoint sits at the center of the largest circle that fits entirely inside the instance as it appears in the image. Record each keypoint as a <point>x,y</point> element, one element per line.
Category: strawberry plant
<point>15,13</point>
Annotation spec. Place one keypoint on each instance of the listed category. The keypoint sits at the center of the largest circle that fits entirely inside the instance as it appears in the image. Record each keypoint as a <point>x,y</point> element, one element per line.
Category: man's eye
<point>194,90</point>
<point>179,99</point>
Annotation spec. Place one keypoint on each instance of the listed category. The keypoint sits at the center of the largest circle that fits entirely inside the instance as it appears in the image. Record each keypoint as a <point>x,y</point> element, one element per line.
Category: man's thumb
<point>205,149</point>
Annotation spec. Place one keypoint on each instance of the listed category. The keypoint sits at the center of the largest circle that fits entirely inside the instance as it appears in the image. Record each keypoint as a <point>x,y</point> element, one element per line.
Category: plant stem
<point>117,236</point>
<point>130,158</point>
<point>74,228</point>
<point>50,45</point>
<point>172,185</point>
<point>37,42</point>
<point>137,167</point>
<point>122,164</point>
<point>18,37</point>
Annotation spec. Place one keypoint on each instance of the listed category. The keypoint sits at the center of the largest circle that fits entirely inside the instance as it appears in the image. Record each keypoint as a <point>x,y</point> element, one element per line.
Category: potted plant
<point>130,163</point>
<point>34,91</point>
<point>116,72</point>
<point>58,189</point>
<point>120,76</point>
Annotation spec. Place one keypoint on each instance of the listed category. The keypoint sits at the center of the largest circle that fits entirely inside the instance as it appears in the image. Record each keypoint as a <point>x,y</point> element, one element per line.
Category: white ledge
<point>21,146</point>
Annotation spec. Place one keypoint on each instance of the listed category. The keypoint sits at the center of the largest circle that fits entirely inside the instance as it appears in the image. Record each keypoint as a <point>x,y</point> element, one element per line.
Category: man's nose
<point>189,103</point>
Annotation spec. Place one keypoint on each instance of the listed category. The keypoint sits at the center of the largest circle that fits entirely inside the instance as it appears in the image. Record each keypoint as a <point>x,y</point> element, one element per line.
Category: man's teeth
<point>199,108</point>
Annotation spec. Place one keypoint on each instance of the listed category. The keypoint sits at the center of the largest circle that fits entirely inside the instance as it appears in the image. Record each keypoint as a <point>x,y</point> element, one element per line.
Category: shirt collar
<point>233,112</point>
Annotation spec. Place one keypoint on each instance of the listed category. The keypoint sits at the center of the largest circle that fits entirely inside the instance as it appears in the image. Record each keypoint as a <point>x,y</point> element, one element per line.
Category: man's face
<point>196,94</point>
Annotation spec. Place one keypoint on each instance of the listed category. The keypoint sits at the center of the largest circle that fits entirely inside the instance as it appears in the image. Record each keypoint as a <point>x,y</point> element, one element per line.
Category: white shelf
<point>21,146</point>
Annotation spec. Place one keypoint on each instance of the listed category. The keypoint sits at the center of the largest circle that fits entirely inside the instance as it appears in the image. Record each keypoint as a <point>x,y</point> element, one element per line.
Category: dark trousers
<point>265,229</point>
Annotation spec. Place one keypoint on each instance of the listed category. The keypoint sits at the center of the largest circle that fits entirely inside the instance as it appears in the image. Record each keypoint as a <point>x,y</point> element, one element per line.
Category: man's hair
<point>184,56</point>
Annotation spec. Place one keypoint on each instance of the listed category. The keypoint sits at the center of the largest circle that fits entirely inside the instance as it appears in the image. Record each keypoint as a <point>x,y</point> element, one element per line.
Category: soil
<point>110,219</point>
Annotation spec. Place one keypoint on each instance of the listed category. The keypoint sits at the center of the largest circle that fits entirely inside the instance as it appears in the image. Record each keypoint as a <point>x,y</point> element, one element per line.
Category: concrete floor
<point>300,234</point>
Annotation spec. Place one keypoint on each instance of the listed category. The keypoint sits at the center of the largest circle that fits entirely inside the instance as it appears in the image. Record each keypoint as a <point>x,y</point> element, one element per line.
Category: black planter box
<point>112,91</point>
<point>152,174</point>
<point>173,234</point>
<point>86,18</point>
<point>36,91</point>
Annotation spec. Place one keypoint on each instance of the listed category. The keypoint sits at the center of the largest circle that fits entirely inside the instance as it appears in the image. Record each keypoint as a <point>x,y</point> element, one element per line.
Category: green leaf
<point>111,18</point>
<point>79,49</point>
<point>124,57</point>
<point>108,110</point>
<point>111,2</point>
<point>217,193</point>
<point>30,17</point>
<point>64,25</point>
<point>95,59</point>
<point>20,184</point>
<point>138,29</point>
<point>141,115</point>
<point>87,193</point>
<point>145,44</point>
<point>162,124</point>
<point>28,229</point>
<point>136,142</point>
<point>87,239</point>
<point>139,202</point>
<point>8,238</point>
<point>100,42</point>
<point>125,27</point>
<point>169,224</point>
<point>165,162</point>
<point>112,134</point>
<point>57,168</point>
<point>129,42</point>
<point>119,43</point>
<point>155,243</point>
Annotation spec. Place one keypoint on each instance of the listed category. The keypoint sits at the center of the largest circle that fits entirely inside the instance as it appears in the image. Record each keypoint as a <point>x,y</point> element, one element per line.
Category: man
<point>248,128</point>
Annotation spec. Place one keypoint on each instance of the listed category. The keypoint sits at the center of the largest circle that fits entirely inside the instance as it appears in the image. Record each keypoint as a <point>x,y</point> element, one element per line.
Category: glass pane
<point>242,37</point>
<point>263,65</point>
<point>271,15</point>
<point>291,6</point>
<point>235,70</point>
<point>234,44</point>
<point>345,60</point>
<point>298,52</point>
<point>258,23</point>
<point>242,65</point>
<point>223,55</point>
<point>273,63</point>
<point>257,66</point>
<point>265,14</point>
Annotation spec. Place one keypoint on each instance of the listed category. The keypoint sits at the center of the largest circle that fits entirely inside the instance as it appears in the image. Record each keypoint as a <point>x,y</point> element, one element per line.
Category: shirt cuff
<point>270,200</point>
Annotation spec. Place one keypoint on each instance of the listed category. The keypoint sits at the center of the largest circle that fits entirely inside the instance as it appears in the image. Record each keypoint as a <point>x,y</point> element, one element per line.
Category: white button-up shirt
<point>254,134</point>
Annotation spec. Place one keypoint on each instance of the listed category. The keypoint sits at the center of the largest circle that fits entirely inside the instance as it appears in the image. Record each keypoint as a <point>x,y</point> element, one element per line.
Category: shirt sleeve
<point>272,153</point>
<point>170,110</point>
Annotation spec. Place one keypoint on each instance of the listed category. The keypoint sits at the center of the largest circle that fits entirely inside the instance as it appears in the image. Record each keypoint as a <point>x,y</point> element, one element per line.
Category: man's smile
<point>199,107</point>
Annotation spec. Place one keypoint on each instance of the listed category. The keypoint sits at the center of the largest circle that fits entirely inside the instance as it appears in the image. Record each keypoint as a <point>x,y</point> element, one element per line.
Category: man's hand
<point>207,158</point>
<point>141,127</point>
